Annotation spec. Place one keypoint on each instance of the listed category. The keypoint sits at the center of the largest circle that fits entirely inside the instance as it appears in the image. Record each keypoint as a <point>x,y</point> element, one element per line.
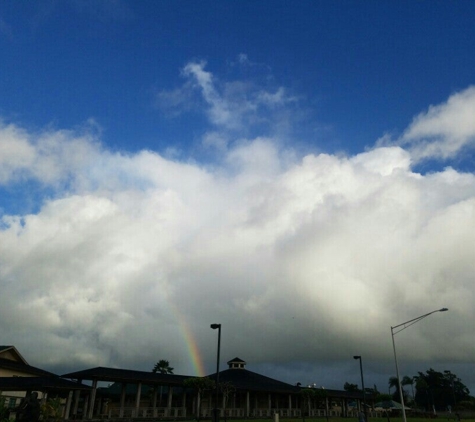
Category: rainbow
<point>192,347</point>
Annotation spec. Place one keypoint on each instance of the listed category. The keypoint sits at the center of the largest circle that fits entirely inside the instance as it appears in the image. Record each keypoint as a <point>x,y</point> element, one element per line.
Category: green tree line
<point>427,390</point>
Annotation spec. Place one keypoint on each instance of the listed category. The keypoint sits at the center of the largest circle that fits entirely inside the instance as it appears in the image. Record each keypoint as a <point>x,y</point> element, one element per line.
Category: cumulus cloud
<point>48,157</point>
<point>302,258</point>
<point>444,130</point>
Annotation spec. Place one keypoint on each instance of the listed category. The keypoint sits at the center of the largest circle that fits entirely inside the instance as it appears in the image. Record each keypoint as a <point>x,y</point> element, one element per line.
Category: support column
<point>169,404</point>
<point>122,400</point>
<point>198,405</point>
<point>67,409</point>
<point>248,406</point>
<point>85,406</point>
<point>99,407</point>
<point>184,402</point>
<point>137,399</point>
<point>154,401</point>
<point>77,394</point>
<point>90,412</point>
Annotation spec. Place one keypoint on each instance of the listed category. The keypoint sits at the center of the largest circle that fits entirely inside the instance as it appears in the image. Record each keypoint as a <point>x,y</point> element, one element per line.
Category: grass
<point>352,419</point>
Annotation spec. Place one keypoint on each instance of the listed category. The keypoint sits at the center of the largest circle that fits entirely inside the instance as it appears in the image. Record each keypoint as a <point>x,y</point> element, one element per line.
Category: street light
<point>362,384</point>
<point>405,325</point>
<point>216,409</point>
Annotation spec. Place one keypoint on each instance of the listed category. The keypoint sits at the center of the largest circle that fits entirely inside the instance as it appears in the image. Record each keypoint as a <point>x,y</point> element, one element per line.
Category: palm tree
<point>393,382</point>
<point>162,367</point>
<point>408,381</point>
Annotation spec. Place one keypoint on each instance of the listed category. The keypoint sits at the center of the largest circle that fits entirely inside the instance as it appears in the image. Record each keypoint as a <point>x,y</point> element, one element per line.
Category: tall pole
<point>401,327</point>
<point>216,409</point>
<point>398,379</point>
<point>365,409</point>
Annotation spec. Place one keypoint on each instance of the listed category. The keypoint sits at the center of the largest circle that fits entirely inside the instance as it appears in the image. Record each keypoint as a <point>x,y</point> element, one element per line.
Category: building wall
<point>9,354</point>
<point>6,372</point>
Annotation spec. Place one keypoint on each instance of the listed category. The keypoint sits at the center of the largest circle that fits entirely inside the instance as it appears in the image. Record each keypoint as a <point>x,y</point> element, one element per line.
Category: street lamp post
<point>364,391</point>
<point>216,409</point>
<point>401,327</point>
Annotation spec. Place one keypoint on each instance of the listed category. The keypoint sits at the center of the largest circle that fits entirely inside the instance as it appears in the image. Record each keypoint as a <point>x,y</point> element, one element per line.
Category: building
<point>17,378</point>
<point>139,394</point>
<point>133,394</point>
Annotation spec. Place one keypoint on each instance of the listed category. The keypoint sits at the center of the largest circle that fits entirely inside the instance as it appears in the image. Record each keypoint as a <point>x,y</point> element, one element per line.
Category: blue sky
<point>281,167</point>
<point>358,70</point>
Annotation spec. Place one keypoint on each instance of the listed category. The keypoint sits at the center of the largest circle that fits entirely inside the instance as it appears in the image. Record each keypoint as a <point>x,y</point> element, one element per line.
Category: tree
<point>162,367</point>
<point>51,410</point>
<point>226,389</point>
<point>396,396</point>
<point>307,395</point>
<point>408,381</point>
<point>393,383</point>
<point>200,385</point>
<point>4,411</point>
<point>383,397</point>
<point>422,389</point>
<point>321,399</point>
<point>350,387</point>
<point>439,390</point>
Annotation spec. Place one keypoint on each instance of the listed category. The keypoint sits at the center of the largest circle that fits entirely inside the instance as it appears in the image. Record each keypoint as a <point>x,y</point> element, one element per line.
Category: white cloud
<point>444,130</point>
<point>300,258</point>
<point>16,153</point>
<point>231,107</point>
<point>49,157</point>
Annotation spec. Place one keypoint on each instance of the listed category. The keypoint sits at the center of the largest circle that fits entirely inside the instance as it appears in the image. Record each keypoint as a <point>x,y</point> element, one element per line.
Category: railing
<point>238,412</point>
<point>266,413</point>
<point>146,412</point>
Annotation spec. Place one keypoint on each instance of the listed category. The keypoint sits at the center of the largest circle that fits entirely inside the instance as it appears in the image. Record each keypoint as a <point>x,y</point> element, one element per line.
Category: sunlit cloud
<point>271,243</point>
<point>444,130</point>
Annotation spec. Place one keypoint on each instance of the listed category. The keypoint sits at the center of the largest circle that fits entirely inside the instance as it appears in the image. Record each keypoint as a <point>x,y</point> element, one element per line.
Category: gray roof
<point>126,375</point>
<point>247,380</point>
<point>21,367</point>
<point>39,384</point>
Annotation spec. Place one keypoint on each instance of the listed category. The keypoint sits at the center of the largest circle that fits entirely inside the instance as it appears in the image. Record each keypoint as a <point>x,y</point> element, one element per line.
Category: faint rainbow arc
<point>191,345</point>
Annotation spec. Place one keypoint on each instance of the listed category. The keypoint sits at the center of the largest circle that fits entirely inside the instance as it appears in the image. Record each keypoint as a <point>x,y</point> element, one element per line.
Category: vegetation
<point>429,391</point>
<point>307,395</point>
<point>226,389</point>
<point>350,387</point>
<point>335,419</point>
<point>440,390</point>
<point>200,385</point>
<point>51,410</point>
<point>315,396</point>
<point>434,390</point>
<point>162,367</point>
<point>4,411</point>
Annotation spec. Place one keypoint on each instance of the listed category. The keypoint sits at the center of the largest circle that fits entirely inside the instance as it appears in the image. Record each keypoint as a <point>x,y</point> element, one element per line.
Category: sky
<point>300,172</point>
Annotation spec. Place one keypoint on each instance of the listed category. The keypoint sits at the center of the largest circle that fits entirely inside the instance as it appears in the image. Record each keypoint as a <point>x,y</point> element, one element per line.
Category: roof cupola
<point>236,363</point>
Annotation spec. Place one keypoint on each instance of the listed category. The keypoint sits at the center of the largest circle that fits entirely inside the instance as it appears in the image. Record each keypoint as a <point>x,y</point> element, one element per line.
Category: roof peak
<point>236,363</point>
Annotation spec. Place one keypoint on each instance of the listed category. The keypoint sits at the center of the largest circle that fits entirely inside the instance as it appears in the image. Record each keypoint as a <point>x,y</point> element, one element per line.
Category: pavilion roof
<point>39,384</point>
<point>126,375</point>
